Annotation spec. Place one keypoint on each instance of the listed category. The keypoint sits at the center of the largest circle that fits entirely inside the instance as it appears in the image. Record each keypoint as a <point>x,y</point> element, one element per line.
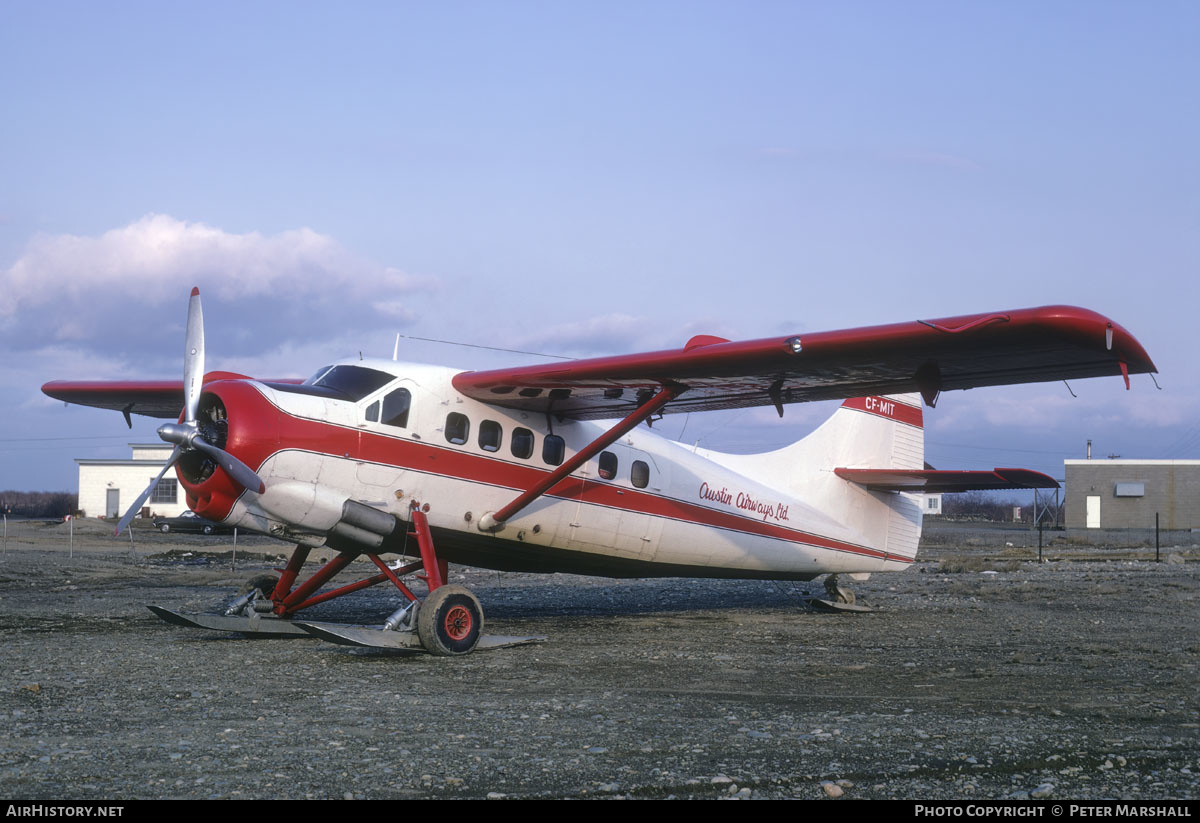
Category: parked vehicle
<point>189,522</point>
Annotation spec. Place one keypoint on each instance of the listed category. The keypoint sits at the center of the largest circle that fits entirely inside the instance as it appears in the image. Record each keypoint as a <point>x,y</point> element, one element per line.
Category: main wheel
<point>208,529</point>
<point>164,528</point>
<point>449,621</point>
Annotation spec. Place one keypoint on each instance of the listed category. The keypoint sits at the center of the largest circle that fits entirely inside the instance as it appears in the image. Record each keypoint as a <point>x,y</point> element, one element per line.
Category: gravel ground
<point>981,674</point>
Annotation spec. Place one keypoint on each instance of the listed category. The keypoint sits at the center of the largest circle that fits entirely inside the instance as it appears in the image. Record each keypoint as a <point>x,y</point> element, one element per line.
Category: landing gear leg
<point>837,592</point>
<point>448,622</point>
<point>450,619</point>
<point>840,598</point>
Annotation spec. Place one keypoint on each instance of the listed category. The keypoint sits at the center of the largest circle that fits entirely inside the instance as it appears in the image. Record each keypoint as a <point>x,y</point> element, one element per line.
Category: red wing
<point>932,481</point>
<point>153,398</point>
<point>929,356</point>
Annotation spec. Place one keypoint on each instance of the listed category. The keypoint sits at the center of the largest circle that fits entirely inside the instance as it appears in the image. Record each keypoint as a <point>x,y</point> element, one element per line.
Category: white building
<point>106,487</point>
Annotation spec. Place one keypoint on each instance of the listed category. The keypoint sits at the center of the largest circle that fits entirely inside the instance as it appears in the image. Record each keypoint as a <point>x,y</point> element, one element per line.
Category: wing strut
<point>494,522</point>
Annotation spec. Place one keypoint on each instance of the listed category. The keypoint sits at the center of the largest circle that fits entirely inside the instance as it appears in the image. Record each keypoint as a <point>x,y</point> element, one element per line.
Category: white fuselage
<point>665,509</point>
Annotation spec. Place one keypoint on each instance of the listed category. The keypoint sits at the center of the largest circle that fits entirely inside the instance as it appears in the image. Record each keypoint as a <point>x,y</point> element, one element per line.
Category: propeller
<point>187,435</point>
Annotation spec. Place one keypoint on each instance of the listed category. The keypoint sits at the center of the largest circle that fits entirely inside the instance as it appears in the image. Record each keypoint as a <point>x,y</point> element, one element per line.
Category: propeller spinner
<point>187,435</point>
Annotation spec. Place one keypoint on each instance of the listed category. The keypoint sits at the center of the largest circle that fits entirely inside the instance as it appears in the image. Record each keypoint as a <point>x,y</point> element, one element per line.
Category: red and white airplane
<point>524,468</point>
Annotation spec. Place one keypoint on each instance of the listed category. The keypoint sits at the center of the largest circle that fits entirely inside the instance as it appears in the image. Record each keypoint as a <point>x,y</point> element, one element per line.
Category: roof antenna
<point>360,356</point>
<point>396,348</point>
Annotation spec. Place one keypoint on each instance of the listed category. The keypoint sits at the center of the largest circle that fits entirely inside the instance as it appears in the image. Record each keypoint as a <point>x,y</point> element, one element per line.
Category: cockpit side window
<point>395,408</point>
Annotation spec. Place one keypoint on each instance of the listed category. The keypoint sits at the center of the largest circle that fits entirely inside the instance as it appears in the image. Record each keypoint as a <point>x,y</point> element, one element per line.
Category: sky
<point>594,178</point>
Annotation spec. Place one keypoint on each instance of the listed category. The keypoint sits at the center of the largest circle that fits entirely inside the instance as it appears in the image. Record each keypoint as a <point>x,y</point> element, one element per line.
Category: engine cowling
<point>235,416</point>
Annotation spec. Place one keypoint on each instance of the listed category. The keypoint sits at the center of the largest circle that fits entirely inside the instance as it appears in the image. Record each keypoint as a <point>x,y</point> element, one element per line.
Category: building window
<point>522,443</point>
<point>167,491</point>
<point>490,435</point>
<point>458,427</point>
<point>1127,488</point>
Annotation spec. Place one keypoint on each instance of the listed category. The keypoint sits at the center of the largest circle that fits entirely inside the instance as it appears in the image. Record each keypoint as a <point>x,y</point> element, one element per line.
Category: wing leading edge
<point>152,398</point>
<point>926,356</point>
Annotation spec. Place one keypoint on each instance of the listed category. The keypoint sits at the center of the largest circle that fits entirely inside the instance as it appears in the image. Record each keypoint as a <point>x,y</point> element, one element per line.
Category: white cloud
<point>128,281</point>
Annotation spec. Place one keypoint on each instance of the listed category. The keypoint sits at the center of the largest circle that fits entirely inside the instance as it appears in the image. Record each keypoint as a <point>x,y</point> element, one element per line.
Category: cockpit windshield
<point>351,382</point>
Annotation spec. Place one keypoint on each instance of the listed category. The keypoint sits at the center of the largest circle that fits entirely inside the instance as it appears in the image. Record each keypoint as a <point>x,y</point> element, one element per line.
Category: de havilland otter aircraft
<point>525,469</point>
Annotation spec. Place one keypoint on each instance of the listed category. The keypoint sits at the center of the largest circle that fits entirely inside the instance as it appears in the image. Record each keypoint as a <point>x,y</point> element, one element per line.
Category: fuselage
<point>391,435</point>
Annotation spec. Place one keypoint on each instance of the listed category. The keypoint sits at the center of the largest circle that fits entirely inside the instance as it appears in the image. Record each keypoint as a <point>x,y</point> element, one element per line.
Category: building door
<point>1093,511</point>
<point>112,503</point>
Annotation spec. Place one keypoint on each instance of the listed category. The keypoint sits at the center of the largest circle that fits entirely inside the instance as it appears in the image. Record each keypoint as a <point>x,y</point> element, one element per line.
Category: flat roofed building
<point>1126,494</point>
<point>107,487</point>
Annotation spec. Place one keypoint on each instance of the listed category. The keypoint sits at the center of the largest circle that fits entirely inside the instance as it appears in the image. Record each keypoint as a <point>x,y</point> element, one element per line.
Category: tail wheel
<point>450,621</point>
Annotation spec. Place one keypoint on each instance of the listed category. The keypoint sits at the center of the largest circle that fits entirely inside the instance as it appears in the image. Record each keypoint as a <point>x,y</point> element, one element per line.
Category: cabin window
<point>373,412</point>
<point>639,474</point>
<point>458,427</point>
<point>522,443</point>
<point>490,435</point>
<point>395,408</point>
<point>554,449</point>
<point>608,465</point>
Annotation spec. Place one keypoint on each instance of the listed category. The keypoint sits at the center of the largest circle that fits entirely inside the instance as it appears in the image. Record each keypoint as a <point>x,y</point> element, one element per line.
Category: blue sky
<point>594,178</point>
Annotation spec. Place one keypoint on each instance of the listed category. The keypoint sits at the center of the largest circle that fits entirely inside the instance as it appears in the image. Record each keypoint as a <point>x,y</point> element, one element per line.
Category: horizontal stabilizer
<point>932,481</point>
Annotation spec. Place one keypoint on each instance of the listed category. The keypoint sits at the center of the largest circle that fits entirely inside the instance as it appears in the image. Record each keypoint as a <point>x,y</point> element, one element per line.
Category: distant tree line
<point>980,505</point>
<point>38,504</point>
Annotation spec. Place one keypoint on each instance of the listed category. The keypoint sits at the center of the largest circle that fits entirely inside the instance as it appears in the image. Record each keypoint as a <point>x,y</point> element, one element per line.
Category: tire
<point>450,621</point>
<point>164,528</point>
<point>208,529</point>
<point>265,583</point>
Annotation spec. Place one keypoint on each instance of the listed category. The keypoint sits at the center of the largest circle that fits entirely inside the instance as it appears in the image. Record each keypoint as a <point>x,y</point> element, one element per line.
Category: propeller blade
<point>193,356</point>
<point>144,496</point>
<point>239,471</point>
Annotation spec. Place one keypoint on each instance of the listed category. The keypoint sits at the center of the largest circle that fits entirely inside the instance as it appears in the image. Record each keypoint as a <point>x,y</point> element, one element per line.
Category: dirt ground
<point>980,674</point>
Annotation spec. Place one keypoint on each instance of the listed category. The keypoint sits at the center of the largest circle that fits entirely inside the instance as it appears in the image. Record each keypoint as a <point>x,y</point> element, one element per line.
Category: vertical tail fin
<point>864,433</point>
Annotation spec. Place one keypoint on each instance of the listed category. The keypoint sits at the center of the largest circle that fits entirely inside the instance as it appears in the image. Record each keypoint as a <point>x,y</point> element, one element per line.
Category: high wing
<point>152,398</point>
<point>927,356</point>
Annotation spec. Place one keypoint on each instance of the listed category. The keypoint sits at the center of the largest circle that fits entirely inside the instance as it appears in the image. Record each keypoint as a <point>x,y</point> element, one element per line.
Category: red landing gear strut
<point>448,622</point>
